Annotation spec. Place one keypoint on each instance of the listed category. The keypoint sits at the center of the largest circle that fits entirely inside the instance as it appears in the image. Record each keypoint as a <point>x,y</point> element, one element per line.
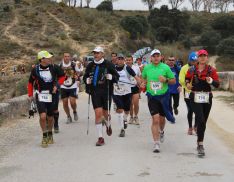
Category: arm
<point>113,72</point>
<point>215,78</point>
<point>30,83</point>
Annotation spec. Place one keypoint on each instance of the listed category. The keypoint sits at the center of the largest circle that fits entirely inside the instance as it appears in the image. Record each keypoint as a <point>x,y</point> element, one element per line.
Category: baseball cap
<point>98,49</point>
<point>192,56</point>
<point>201,52</point>
<point>120,55</point>
<point>155,51</point>
<point>44,54</point>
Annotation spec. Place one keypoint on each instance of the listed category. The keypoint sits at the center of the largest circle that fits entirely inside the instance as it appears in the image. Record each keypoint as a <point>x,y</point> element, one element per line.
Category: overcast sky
<point>138,5</point>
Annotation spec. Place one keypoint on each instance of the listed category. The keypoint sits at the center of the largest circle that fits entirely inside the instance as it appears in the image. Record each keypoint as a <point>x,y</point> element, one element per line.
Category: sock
<point>50,133</point>
<point>99,129</point>
<point>125,117</point>
<point>56,117</point>
<point>45,134</point>
<point>120,120</point>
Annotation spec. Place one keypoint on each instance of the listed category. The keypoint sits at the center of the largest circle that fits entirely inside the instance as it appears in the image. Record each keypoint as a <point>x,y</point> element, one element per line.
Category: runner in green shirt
<point>156,77</point>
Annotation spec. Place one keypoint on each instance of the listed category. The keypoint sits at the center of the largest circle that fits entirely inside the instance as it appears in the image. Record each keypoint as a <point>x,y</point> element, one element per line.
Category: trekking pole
<point>108,104</point>
<point>88,114</point>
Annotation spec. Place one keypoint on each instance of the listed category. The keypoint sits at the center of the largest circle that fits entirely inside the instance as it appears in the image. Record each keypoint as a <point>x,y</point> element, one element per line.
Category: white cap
<point>98,49</point>
<point>155,51</point>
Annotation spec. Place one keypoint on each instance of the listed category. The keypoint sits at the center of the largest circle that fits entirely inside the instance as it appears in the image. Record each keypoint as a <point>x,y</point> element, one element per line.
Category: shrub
<point>105,6</point>
<point>226,47</point>
<point>21,87</point>
<point>135,25</point>
<point>209,40</point>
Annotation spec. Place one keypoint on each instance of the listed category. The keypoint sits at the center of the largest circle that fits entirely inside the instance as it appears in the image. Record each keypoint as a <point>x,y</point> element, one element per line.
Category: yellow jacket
<point>182,75</point>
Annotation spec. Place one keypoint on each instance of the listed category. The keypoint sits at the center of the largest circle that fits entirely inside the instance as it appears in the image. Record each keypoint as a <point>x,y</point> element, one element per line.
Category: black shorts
<point>46,107</point>
<point>155,107</point>
<point>123,101</point>
<point>135,90</point>
<point>100,100</point>
<point>65,93</point>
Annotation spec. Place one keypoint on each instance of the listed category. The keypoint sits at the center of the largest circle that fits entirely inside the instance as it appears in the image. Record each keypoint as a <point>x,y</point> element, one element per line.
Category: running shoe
<point>136,119</point>
<point>122,133</point>
<point>176,111</point>
<point>69,120</point>
<point>50,139</point>
<point>156,148</point>
<point>108,130</point>
<point>125,124</point>
<point>200,150</point>
<point>100,141</point>
<point>56,129</point>
<point>44,142</point>
<point>131,120</point>
<point>190,131</point>
<point>162,136</point>
<point>195,130</point>
<point>75,116</point>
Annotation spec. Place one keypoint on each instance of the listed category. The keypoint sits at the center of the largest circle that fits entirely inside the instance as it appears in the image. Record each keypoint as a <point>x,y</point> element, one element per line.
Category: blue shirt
<point>173,89</point>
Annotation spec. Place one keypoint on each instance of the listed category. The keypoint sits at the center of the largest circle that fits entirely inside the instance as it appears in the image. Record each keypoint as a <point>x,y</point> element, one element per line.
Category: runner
<point>199,79</point>
<point>69,87</point>
<point>45,76</point>
<point>139,63</point>
<point>99,78</point>
<point>114,58</point>
<point>134,109</point>
<point>157,76</point>
<point>175,89</point>
<point>122,92</point>
<point>192,60</point>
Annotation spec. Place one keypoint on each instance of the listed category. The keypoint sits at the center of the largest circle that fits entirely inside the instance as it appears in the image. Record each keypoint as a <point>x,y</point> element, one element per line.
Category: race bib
<point>201,97</point>
<point>121,89</point>
<point>45,96</point>
<point>186,95</point>
<point>155,86</point>
<point>68,81</point>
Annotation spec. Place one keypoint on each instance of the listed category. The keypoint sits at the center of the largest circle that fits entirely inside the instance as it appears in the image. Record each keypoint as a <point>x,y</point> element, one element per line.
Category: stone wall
<point>227,80</point>
<point>14,107</point>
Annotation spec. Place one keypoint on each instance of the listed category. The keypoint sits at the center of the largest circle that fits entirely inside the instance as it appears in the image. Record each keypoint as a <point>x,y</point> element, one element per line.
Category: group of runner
<point>121,81</point>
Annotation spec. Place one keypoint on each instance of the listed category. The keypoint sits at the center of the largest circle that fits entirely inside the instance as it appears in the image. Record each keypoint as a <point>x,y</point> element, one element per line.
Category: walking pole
<point>88,114</point>
<point>108,104</point>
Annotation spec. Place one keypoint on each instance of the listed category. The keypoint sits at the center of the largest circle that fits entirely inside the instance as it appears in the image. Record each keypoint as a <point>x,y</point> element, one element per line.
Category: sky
<point>138,5</point>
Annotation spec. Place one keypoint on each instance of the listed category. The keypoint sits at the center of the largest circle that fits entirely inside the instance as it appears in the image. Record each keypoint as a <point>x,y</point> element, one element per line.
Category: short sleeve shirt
<point>151,74</point>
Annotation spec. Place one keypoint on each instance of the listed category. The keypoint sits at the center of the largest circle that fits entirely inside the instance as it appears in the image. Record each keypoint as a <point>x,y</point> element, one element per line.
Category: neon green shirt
<point>151,74</point>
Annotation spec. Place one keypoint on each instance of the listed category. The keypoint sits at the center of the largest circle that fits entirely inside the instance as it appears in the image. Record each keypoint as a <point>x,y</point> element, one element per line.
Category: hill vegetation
<point>27,26</point>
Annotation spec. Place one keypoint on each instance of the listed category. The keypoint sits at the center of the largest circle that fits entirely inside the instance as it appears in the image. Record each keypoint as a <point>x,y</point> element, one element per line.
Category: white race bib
<point>186,95</point>
<point>45,97</point>
<point>155,86</point>
<point>201,97</point>
<point>121,89</point>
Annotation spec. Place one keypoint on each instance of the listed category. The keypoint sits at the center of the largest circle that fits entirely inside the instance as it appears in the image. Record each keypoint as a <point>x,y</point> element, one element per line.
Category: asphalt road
<point>75,158</point>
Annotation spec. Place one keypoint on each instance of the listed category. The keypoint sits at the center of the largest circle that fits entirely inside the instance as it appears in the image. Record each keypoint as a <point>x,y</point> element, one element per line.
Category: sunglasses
<point>202,55</point>
<point>171,60</point>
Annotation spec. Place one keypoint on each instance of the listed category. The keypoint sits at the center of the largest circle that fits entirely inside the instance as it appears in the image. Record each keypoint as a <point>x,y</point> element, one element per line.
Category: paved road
<point>74,157</point>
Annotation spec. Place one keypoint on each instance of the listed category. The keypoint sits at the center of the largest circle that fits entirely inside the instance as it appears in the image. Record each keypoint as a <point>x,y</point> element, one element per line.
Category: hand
<point>88,81</point>
<point>189,86</point>
<point>209,80</point>
<point>179,89</point>
<point>54,89</point>
<point>162,79</point>
<point>109,76</point>
<point>143,85</point>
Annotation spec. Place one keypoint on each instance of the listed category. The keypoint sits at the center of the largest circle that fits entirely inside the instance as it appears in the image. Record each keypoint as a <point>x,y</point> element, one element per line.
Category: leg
<point>66,107</point>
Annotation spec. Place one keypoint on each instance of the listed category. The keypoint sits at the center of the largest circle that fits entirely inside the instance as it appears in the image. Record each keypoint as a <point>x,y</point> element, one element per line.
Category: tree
<point>222,5</point>
<point>81,3</point>
<point>195,4</point>
<point>208,5</point>
<point>175,3</point>
<point>88,3</point>
<point>226,47</point>
<point>151,3</point>
<point>105,6</point>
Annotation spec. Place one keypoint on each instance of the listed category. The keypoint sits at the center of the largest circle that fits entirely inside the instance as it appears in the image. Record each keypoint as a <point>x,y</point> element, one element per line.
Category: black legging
<point>190,114</point>
<point>176,99</point>
<point>202,113</point>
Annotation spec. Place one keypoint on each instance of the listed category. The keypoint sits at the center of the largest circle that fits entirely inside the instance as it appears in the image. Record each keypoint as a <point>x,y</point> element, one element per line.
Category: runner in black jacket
<point>99,78</point>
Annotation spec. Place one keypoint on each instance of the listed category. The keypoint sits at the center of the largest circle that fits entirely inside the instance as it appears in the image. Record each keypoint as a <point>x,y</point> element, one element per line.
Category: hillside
<point>34,25</point>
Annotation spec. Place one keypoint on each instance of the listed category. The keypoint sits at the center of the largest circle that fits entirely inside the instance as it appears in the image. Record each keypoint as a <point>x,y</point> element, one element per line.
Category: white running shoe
<point>69,119</point>
<point>156,148</point>
<point>136,119</point>
<point>162,136</point>
<point>131,120</point>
